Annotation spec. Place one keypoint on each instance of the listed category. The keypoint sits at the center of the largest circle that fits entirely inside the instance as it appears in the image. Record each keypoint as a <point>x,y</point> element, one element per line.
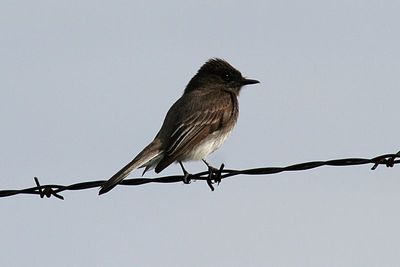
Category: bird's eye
<point>227,77</point>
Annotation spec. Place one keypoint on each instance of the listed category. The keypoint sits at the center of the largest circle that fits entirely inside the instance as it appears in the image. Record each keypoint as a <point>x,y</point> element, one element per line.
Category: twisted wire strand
<point>211,175</point>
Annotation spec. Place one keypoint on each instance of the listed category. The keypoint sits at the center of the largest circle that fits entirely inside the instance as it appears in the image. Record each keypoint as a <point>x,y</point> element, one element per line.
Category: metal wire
<point>212,175</point>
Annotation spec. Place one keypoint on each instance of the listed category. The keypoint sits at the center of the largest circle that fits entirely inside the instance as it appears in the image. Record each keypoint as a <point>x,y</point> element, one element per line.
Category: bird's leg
<point>186,177</point>
<point>213,173</point>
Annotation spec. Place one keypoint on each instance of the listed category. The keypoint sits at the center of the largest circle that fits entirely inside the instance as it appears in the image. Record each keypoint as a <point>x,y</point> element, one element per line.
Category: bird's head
<point>218,74</point>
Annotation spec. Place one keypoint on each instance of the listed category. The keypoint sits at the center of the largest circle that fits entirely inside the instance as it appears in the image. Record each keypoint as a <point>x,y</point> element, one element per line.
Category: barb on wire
<point>213,174</point>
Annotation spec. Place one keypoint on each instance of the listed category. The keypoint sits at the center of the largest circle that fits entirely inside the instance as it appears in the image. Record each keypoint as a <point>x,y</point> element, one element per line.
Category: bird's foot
<point>214,174</point>
<point>186,178</point>
<point>186,175</point>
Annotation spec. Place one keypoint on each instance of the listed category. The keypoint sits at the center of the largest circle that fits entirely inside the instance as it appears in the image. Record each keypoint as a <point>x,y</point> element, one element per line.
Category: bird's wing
<point>195,123</point>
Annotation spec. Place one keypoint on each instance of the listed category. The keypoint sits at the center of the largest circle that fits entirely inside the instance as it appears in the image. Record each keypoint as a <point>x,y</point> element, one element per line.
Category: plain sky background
<point>85,85</point>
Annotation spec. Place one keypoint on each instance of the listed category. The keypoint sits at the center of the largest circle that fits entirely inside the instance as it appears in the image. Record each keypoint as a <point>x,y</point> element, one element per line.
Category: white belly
<point>208,146</point>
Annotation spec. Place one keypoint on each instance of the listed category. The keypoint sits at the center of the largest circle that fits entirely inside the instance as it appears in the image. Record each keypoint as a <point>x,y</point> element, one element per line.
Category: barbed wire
<point>212,175</point>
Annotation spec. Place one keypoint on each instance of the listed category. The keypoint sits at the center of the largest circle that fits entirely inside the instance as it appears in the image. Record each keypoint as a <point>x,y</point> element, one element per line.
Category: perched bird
<point>196,125</point>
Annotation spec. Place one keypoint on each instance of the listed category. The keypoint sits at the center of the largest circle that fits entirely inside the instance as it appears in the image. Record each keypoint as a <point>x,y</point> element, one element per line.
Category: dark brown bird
<point>196,125</point>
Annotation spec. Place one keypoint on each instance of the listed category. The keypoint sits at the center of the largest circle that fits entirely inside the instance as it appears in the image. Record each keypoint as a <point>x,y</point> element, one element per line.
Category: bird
<point>196,124</point>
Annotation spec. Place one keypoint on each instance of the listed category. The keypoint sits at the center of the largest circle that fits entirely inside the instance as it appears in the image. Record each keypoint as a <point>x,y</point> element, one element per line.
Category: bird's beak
<point>249,81</point>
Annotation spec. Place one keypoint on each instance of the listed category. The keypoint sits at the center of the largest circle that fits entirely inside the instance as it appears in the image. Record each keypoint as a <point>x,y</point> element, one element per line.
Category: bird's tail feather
<point>147,154</point>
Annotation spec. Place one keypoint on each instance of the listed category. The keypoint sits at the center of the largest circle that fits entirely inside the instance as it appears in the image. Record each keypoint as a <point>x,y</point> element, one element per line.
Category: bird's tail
<point>147,154</point>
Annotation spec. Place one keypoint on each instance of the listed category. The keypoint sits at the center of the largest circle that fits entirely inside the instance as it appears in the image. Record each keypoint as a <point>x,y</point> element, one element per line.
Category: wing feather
<point>193,129</point>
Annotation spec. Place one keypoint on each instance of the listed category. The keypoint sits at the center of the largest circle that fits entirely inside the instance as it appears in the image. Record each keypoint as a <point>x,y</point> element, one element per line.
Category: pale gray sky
<point>85,86</point>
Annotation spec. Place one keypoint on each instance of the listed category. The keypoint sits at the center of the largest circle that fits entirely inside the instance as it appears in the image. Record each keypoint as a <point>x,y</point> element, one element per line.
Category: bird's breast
<point>207,146</point>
